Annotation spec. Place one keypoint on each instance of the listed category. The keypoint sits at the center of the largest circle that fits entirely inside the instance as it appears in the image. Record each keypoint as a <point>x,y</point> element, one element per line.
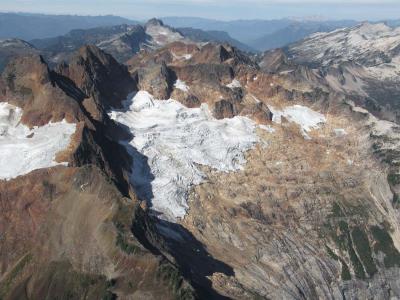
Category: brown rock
<point>158,80</point>
<point>30,85</point>
<point>99,76</point>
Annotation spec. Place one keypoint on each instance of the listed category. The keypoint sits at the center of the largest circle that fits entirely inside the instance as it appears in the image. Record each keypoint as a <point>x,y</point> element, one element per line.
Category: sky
<point>215,9</point>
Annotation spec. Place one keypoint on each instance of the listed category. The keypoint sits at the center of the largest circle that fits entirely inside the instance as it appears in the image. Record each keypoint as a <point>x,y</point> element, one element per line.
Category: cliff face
<point>219,178</point>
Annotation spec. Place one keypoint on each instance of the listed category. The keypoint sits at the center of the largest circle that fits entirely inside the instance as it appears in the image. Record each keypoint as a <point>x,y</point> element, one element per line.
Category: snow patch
<point>339,132</point>
<point>181,85</point>
<point>163,35</point>
<point>305,117</point>
<point>23,150</point>
<point>186,56</point>
<point>172,140</point>
<point>234,84</point>
<point>267,128</point>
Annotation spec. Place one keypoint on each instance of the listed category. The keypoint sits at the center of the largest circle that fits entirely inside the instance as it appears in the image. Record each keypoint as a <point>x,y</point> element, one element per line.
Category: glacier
<point>176,141</point>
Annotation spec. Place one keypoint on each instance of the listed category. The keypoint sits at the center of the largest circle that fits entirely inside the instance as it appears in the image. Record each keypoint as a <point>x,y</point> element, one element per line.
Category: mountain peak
<point>373,27</point>
<point>369,44</point>
<point>14,42</point>
<point>154,22</point>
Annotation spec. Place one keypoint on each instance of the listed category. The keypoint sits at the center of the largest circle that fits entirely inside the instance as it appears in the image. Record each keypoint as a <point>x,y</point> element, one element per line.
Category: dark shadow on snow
<point>141,175</point>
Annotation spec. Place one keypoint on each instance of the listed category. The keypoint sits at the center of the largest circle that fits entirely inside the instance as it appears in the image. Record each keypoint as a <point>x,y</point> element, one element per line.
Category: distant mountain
<point>295,32</point>
<point>367,44</point>
<point>242,30</point>
<point>362,61</point>
<point>37,26</point>
<point>393,23</point>
<point>11,48</point>
<point>214,36</point>
<point>123,41</point>
<point>262,34</point>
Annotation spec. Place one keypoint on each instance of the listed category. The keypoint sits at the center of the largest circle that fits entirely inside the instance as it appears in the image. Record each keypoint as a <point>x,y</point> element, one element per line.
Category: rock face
<point>217,178</point>
<point>103,80</point>
<point>30,85</point>
<point>273,61</point>
<point>158,80</point>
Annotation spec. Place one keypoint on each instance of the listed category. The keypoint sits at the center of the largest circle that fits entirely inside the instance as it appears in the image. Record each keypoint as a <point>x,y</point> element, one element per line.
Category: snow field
<point>23,150</point>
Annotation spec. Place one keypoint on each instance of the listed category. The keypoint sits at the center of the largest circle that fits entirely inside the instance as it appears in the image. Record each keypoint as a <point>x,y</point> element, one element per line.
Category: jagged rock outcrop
<point>213,53</point>
<point>12,48</point>
<point>164,74</point>
<point>102,79</point>
<point>31,85</point>
<point>273,61</point>
<point>157,79</point>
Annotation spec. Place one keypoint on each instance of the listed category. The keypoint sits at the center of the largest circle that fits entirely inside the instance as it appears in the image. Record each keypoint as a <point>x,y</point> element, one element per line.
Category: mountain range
<point>39,26</point>
<point>247,35</point>
<point>186,168</point>
<point>362,61</point>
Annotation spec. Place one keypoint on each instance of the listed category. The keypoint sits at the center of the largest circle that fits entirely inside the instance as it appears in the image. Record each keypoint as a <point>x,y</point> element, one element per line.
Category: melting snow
<point>186,56</point>
<point>339,132</point>
<point>23,150</point>
<point>181,85</point>
<point>172,140</point>
<point>305,117</point>
<point>163,35</point>
<point>234,84</point>
<point>267,128</point>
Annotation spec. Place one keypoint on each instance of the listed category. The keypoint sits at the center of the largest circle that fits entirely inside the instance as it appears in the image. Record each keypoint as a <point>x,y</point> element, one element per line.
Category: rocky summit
<point>150,165</point>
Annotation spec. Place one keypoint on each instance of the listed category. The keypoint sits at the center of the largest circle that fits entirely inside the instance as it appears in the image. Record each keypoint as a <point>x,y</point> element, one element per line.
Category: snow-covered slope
<point>161,34</point>
<point>367,44</point>
<point>361,61</point>
<point>305,117</point>
<point>23,150</point>
<point>181,85</point>
<point>173,140</point>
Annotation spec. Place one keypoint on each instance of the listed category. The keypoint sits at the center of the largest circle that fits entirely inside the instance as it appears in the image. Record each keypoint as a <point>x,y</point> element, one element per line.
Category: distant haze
<point>221,9</point>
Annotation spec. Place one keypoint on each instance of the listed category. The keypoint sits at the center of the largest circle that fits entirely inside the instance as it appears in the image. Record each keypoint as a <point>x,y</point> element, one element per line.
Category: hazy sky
<point>217,9</point>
